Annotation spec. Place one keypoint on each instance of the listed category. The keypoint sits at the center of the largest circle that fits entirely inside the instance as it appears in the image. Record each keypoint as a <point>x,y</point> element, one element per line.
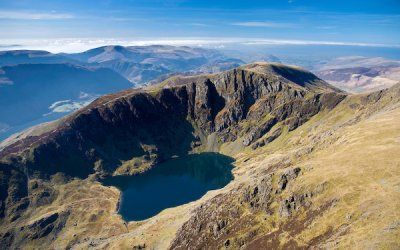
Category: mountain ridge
<point>138,65</point>
<point>231,75</point>
<point>274,128</point>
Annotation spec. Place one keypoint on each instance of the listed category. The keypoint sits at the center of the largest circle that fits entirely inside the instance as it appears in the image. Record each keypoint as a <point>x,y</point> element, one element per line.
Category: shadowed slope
<point>130,131</point>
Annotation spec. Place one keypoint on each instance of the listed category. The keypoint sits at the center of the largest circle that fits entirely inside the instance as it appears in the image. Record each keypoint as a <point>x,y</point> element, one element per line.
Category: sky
<point>293,22</point>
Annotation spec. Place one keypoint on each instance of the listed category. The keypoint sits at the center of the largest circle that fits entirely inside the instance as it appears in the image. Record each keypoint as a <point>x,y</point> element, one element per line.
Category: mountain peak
<point>222,100</point>
<point>262,67</point>
<point>294,76</point>
<point>272,116</point>
<point>292,73</point>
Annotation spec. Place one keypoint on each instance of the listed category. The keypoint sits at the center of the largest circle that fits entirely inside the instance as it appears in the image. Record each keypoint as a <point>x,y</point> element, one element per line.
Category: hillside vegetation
<point>315,167</point>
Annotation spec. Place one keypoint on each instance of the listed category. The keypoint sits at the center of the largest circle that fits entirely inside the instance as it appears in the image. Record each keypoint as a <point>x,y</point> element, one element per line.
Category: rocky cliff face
<point>276,210</point>
<point>117,127</point>
<point>243,109</point>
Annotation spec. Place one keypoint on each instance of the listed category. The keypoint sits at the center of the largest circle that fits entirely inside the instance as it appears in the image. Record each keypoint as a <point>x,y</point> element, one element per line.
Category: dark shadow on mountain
<point>102,138</point>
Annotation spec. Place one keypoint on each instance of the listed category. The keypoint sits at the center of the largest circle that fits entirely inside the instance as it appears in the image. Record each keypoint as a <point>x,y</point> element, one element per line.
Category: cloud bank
<point>264,24</point>
<point>31,15</point>
<point>79,45</point>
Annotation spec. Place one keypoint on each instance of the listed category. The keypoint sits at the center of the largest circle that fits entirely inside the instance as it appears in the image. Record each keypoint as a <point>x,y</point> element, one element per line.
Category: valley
<point>54,85</point>
<point>41,86</point>
<point>313,167</point>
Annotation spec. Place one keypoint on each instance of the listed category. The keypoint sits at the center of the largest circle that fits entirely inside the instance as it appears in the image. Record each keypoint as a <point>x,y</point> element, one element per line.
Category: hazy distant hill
<point>138,64</point>
<point>253,56</point>
<point>358,74</point>
<point>141,64</point>
<point>141,53</point>
<point>37,83</point>
<point>14,57</point>
<point>30,91</point>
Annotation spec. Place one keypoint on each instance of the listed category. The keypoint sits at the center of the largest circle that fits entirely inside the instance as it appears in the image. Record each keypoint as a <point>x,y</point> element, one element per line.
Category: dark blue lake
<point>170,184</point>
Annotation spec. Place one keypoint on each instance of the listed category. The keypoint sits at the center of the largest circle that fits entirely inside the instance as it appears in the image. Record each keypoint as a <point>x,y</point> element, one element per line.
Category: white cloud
<point>66,106</point>
<point>198,24</point>
<point>79,45</point>
<point>32,15</point>
<point>310,42</point>
<point>326,27</point>
<point>4,127</point>
<point>123,19</point>
<point>264,24</point>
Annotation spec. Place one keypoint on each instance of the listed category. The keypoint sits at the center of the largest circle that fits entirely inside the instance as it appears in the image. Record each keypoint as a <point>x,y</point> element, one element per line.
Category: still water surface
<point>170,184</point>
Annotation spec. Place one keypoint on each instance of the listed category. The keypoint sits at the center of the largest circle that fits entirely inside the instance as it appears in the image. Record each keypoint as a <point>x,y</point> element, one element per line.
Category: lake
<point>170,184</point>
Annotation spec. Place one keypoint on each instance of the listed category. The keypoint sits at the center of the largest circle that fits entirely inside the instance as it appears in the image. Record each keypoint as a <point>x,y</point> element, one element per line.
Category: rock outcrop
<point>128,132</point>
<point>116,127</point>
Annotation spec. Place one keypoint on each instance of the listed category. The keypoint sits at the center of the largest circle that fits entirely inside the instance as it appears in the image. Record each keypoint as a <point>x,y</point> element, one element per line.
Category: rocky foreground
<point>315,167</point>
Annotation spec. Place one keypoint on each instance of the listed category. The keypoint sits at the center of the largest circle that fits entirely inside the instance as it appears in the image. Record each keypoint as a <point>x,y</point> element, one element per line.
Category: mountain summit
<point>281,123</point>
<point>204,104</point>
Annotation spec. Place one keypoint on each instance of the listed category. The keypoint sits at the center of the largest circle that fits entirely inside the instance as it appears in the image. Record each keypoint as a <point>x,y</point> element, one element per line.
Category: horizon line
<point>57,45</point>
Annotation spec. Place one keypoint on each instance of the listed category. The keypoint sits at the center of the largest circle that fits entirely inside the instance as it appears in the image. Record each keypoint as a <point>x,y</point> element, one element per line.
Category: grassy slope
<point>358,165</point>
<point>362,171</point>
<point>356,161</point>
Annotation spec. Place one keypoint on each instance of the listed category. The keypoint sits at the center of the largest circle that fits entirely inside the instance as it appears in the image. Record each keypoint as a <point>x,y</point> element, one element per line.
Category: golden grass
<point>358,164</point>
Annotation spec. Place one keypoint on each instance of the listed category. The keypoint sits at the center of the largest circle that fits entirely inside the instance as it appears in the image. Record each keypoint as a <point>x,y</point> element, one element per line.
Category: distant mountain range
<point>30,92</point>
<point>359,74</point>
<point>138,64</point>
<point>41,86</point>
<point>14,57</point>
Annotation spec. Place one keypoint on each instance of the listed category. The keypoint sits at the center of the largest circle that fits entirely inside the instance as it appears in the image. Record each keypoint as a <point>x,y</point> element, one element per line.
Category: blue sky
<point>375,22</point>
